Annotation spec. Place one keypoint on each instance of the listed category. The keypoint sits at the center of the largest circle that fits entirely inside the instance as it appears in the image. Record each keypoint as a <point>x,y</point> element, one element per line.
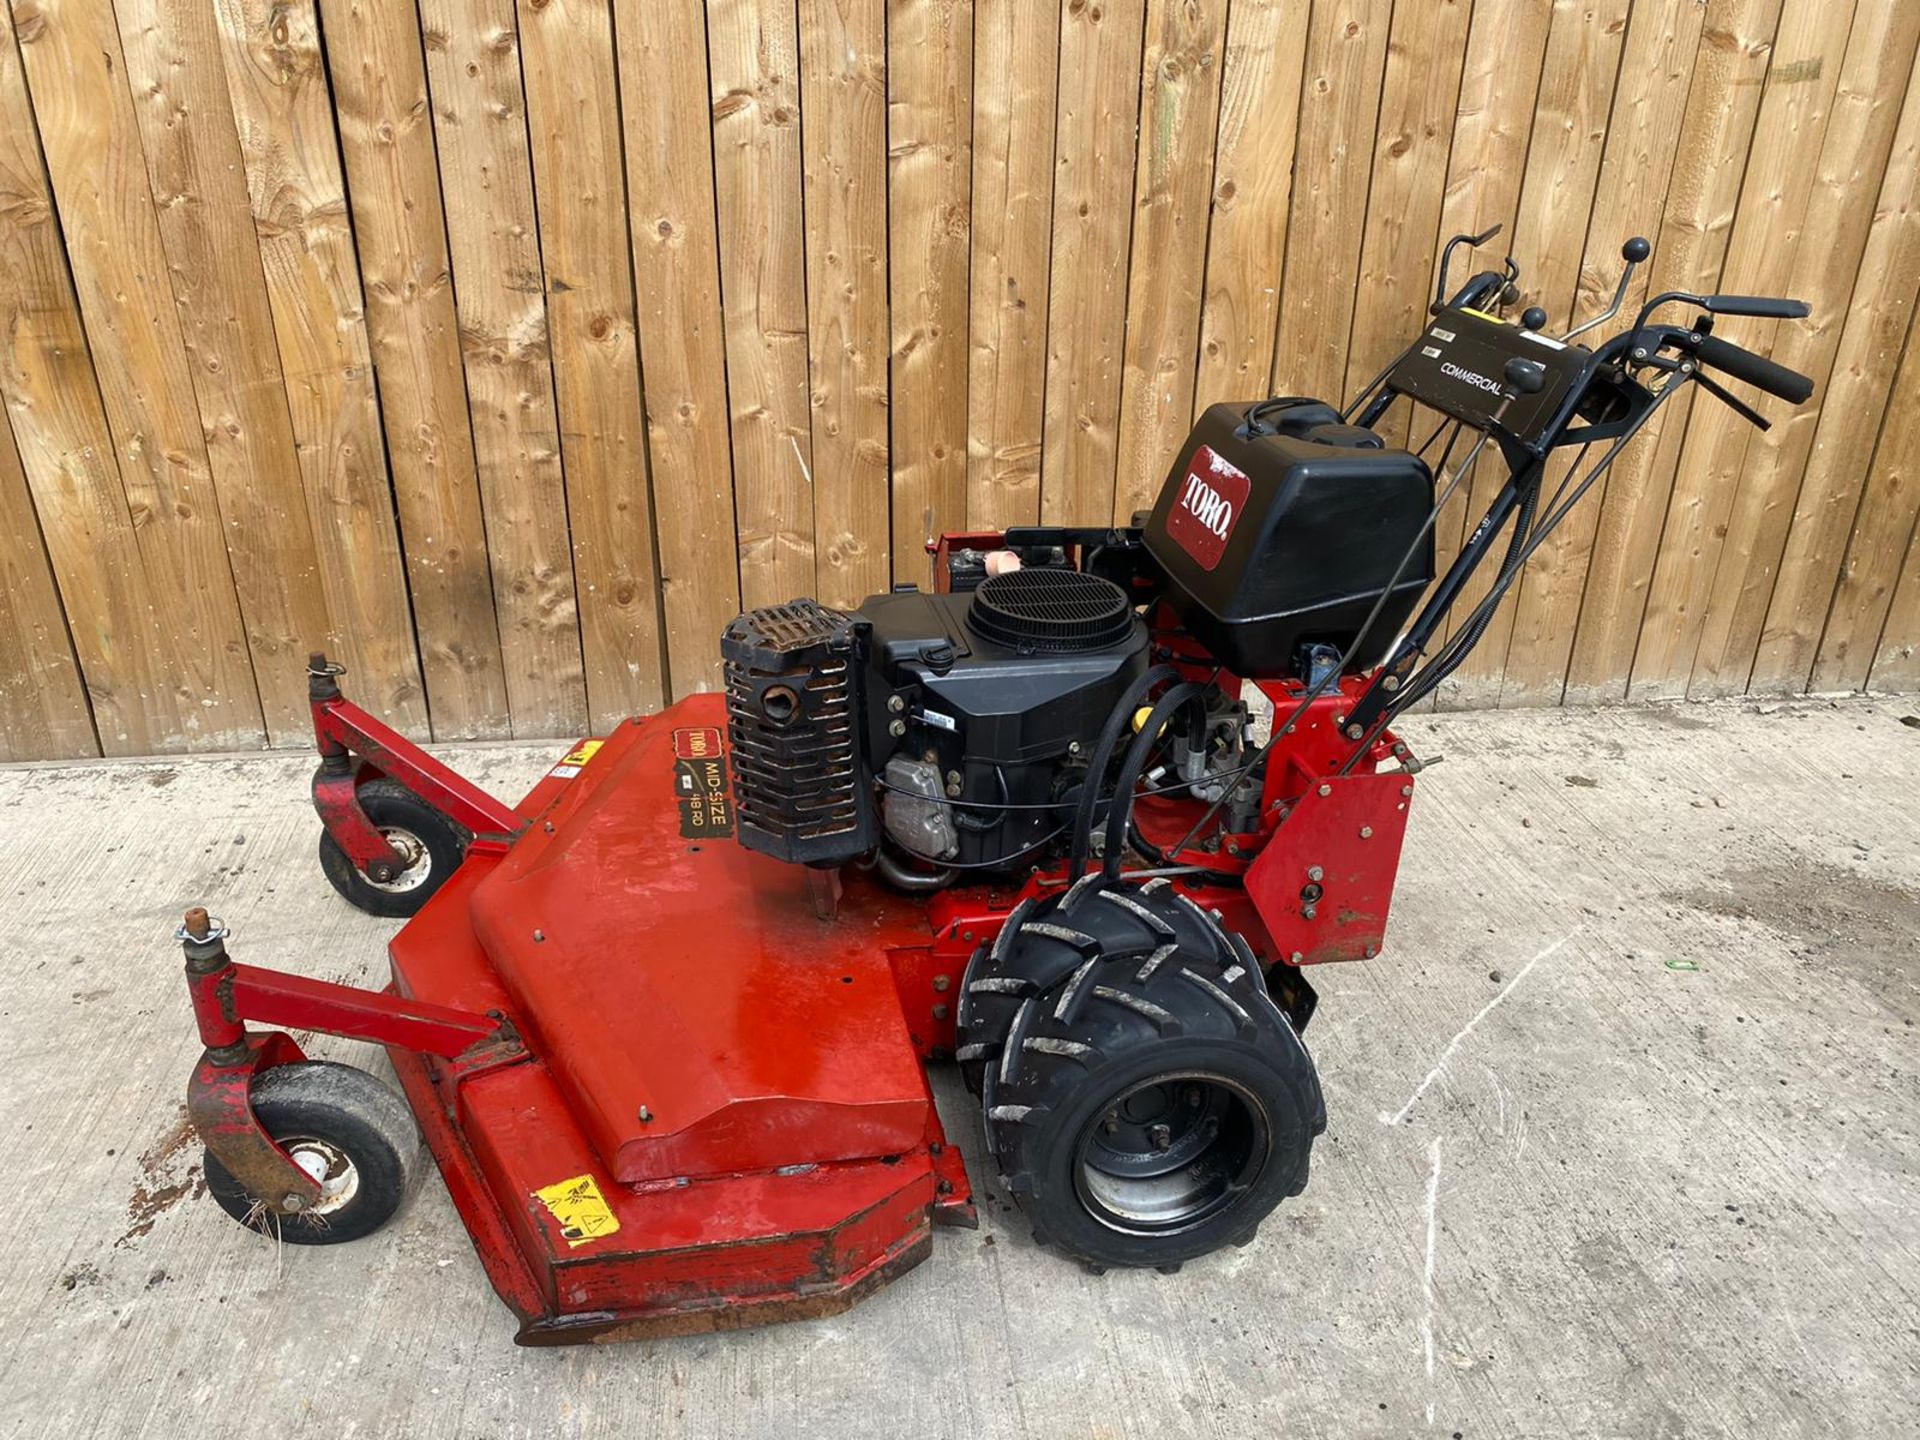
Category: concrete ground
<point>1622,1142</point>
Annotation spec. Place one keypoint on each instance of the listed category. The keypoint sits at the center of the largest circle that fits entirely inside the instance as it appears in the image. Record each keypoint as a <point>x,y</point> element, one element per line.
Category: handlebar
<point>1757,370</point>
<point>1762,307</point>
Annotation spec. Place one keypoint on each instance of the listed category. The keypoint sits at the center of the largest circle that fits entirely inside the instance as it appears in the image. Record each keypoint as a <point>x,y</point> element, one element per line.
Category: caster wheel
<point>344,1128</point>
<point>1146,1099</point>
<point>431,845</point>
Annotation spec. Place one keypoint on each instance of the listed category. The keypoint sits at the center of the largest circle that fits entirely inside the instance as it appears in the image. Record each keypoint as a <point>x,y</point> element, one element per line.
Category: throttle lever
<point>1732,401</point>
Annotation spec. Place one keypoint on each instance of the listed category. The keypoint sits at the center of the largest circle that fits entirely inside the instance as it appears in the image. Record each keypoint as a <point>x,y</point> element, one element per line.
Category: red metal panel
<point>1347,828</point>
<point>700,1018</point>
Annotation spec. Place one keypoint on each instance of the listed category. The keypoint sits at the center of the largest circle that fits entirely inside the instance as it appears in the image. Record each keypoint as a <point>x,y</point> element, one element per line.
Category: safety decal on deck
<point>581,1211</point>
<point>572,762</point>
<point>700,782</point>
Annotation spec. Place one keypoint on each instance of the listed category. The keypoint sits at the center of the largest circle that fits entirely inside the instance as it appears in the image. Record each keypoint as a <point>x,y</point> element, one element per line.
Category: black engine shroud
<point>956,725</point>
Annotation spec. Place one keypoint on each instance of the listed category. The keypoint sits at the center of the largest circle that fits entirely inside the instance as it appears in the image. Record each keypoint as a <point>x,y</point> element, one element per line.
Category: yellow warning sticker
<point>571,762</point>
<point>582,1212</point>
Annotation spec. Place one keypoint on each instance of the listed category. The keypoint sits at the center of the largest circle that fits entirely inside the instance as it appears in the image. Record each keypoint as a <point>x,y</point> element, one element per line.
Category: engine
<point>957,724</point>
<point>950,733</point>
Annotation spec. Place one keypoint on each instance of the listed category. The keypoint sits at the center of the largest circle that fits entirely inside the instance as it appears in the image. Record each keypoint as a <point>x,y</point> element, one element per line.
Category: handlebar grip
<point>1756,370</point>
<point>1761,307</point>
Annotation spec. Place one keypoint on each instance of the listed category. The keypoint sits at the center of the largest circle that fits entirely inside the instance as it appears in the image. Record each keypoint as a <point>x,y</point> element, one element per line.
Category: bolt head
<point>1297,957</point>
<point>1390,683</point>
<point>292,1202</point>
<point>896,704</point>
<point>1366,832</point>
<point>1326,789</point>
<point>1354,732</point>
<point>897,728</point>
<point>1316,873</point>
<point>1372,950</point>
<point>941,982</point>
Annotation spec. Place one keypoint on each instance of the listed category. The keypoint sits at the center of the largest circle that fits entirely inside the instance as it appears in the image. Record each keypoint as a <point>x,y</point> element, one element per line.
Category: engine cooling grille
<point>1050,610</point>
<point>793,720</point>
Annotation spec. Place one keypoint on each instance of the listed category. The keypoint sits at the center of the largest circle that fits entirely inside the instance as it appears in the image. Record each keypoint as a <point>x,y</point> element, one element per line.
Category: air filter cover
<point>1051,611</point>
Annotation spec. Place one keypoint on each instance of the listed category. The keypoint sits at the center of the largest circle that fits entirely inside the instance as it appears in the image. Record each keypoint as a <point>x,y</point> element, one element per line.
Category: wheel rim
<point>1171,1152</point>
<point>328,1164</point>
<point>416,861</point>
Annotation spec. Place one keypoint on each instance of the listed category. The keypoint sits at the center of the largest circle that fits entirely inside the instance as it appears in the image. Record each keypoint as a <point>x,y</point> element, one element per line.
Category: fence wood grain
<point>486,179</point>
<point>1093,158</point>
<point>574,103</point>
<point>1260,78</point>
<point>277,84</point>
<point>1179,114</point>
<point>506,348</point>
<point>754,60</point>
<point>1015,65</point>
<point>91,140</point>
<point>43,706</point>
<point>929,173</point>
<point>386,142</point>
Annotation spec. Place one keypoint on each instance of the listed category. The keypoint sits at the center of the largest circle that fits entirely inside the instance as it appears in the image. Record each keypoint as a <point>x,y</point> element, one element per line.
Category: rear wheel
<point>348,1131</point>
<point>430,846</point>
<point>1145,1098</point>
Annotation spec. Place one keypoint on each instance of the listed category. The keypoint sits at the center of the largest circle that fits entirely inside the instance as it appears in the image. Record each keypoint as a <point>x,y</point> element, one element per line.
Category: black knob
<point>1635,250</point>
<point>1533,318</point>
<point>1528,377</point>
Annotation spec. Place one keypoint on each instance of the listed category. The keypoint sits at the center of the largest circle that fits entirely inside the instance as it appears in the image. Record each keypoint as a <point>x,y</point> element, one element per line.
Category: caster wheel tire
<point>347,1130</point>
<point>431,844</point>
<point>1146,1100</point>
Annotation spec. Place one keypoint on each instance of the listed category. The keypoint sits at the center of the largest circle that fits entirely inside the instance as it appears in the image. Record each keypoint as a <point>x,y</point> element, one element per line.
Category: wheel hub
<point>328,1164</point>
<point>416,861</point>
<point>1170,1152</point>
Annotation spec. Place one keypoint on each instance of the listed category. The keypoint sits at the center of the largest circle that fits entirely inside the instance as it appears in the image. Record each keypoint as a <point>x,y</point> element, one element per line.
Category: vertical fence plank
<point>843,90</point>
<point>172,54</point>
<point>386,141</point>
<point>77,79</point>
<point>1166,283</point>
<point>473,75</point>
<point>1838,470</point>
<point>1897,665</point>
<point>1869,637</point>
<point>43,708</point>
<point>574,130</point>
<point>1260,77</point>
<point>1827,250</point>
<point>276,79</point>
<point>1420,97</point>
<point>1339,105</point>
<point>1690,245</point>
<point>929,177</point>
<point>1016,56</point>
<point>1794,108</point>
<point>1093,160</point>
<point>1499,84</point>
<point>65,450</point>
<point>1577,79</point>
<point>1655,72</point>
<point>755,86</point>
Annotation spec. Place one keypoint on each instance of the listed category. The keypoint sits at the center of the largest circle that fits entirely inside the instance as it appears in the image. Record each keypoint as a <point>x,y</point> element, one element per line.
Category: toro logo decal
<point>1207,506</point>
<point>700,782</point>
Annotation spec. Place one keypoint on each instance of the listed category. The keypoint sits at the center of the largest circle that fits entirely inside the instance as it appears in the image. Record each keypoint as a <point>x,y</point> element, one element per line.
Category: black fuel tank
<point>1285,532</point>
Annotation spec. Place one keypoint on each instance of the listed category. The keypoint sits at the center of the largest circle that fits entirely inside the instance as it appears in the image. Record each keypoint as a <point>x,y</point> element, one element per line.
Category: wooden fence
<point>506,348</point>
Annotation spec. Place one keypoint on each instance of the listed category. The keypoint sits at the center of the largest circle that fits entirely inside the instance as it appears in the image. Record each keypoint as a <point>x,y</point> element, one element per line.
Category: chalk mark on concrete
<point>1433,1228</point>
<point>1439,1068</point>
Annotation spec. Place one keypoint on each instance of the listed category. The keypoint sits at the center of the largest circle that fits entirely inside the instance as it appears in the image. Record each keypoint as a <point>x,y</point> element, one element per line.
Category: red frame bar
<point>342,732</point>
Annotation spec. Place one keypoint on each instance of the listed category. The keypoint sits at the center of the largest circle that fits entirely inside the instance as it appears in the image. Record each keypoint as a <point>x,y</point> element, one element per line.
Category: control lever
<point>1524,376</point>
<point>1633,252</point>
<point>1732,401</point>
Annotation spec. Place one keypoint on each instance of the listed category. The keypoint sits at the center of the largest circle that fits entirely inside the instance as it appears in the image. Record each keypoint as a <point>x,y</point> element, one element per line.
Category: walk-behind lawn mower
<point>664,1021</point>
